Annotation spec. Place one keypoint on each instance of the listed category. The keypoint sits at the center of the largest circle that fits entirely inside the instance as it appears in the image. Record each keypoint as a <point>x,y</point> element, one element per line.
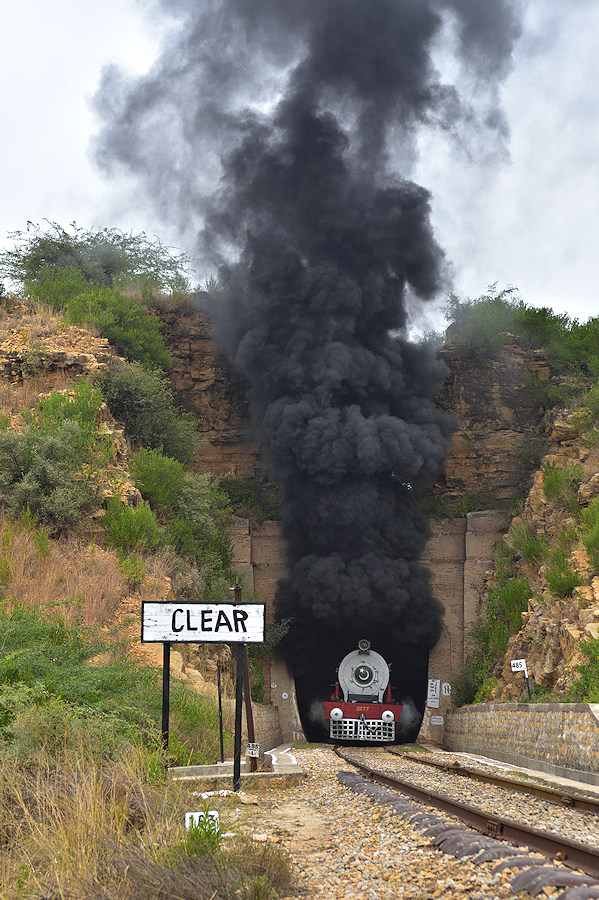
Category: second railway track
<point>563,797</point>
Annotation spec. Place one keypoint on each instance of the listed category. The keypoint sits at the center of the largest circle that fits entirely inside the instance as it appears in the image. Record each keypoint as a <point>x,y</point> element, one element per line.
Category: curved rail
<point>544,792</point>
<point>572,853</point>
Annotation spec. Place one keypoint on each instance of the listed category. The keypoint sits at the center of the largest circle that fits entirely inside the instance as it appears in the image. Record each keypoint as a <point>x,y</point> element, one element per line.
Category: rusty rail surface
<point>571,853</point>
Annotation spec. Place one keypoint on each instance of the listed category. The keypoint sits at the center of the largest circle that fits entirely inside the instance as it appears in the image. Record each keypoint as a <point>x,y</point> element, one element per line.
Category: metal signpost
<point>199,623</point>
<point>519,665</point>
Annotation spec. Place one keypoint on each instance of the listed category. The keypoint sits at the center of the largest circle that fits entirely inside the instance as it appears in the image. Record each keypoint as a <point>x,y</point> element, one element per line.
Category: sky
<point>528,220</point>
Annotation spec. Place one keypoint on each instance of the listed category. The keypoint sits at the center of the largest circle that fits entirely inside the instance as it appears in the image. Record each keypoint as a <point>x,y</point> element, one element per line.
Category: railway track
<point>562,798</point>
<point>377,774</point>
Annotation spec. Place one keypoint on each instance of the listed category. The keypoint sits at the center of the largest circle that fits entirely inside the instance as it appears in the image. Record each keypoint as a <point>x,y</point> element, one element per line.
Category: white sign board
<point>434,692</point>
<point>199,623</point>
<point>210,819</point>
<point>519,665</point>
<point>446,689</point>
<point>436,720</point>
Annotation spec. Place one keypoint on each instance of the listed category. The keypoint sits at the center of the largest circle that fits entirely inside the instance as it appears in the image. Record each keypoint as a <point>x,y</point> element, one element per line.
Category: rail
<point>572,853</point>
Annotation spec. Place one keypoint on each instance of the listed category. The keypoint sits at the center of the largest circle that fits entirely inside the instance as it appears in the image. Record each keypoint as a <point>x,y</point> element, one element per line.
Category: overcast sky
<point>530,222</point>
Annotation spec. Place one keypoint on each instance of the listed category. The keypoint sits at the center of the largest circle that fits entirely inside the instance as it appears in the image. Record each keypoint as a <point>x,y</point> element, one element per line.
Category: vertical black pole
<point>166,671</point>
<point>238,705</point>
<point>249,715</point>
<point>220,713</point>
<point>528,686</point>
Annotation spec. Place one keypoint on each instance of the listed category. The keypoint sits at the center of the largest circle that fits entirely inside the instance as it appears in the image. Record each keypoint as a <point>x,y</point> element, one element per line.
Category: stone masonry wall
<point>458,554</point>
<point>559,738</point>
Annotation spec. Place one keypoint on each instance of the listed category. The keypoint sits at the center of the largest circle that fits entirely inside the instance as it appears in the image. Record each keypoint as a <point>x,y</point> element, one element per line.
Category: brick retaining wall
<point>558,738</point>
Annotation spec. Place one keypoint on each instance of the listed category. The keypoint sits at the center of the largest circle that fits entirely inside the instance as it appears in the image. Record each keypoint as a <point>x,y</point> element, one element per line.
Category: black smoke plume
<point>287,129</point>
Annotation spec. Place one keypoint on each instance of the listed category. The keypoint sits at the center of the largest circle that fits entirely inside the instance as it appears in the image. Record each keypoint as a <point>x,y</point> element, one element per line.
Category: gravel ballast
<point>342,845</point>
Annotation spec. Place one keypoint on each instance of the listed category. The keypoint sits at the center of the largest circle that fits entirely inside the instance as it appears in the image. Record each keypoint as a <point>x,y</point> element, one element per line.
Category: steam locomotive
<point>361,707</point>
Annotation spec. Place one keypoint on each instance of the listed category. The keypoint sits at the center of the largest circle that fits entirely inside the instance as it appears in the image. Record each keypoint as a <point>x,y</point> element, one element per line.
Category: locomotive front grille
<point>362,730</point>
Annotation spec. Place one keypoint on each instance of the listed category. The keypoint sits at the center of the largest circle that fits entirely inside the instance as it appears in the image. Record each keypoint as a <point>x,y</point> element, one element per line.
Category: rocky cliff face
<point>501,427</point>
<point>554,627</point>
<point>498,420</point>
<point>207,386</point>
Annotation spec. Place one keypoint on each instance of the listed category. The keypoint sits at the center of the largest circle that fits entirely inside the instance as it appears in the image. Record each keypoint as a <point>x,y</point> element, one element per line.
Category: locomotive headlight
<point>387,716</point>
<point>337,713</point>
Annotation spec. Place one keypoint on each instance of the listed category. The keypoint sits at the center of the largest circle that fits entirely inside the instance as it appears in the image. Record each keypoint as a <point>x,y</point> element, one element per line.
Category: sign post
<point>166,685</point>
<point>199,623</point>
<point>519,665</point>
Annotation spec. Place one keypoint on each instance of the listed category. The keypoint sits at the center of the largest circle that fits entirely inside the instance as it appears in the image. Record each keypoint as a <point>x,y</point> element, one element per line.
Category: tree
<point>104,256</point>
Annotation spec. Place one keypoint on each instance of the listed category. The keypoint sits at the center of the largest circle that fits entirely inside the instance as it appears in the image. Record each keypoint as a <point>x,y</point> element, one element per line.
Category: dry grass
<point>32,321</point>
<point>84,581</point>
<point>87,833</point>
<point>17,396</point>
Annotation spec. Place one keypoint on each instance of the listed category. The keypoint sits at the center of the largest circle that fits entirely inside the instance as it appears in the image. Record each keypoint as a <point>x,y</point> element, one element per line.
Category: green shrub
<point>499,317</point>
<point>530,450</point>
<point>464,686</point>
<point>56,287</point>
<point>99,256</point>
<point>194,511</point>
<point>159,478</point>
<point>586,688</point>
<point>39,471</point>
<point>143,402</point>
<point>80,405</point>
<point>560,485</point>
<point>591,403</point>
<point>561,577</point>
<point>133,568</point>
<point>590,534</point>
<point>533,548</point>
<point>53,701</point>
<point>484,324</point>
<point>123,320</point>
<point>502,618</point>
<point>250,499</point>
<point>130,528</point>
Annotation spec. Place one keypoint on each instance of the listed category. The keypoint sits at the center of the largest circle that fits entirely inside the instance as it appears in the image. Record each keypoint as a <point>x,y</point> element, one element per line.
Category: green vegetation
<point>118,316</point>
<point>130,528</point>
<point>506,601</point>
<point>491,321</point>
<point>590,523</point>
<point>51,465</point>
<point>561,577</point>
<point>102,256</point>
<point>143,401</point>
<point>252,499</point>
<point>52,700</point>
<point>436,507</point>
<point>586,688</point>
<point>560,484</point>
<point>100,278</point>
<point>192,509</point>
<point>87,807</point>
<point>534,549</point>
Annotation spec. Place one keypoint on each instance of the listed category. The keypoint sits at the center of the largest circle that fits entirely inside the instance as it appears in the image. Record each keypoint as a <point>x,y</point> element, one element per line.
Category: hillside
<point>80,571</point>
<point>523,384</point>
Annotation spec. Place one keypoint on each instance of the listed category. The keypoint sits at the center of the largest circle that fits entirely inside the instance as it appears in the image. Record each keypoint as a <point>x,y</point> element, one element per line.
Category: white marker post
<point>519,665</point>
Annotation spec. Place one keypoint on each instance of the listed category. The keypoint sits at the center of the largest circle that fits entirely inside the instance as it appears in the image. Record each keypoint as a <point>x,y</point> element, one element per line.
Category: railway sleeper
<point>462,842</point>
